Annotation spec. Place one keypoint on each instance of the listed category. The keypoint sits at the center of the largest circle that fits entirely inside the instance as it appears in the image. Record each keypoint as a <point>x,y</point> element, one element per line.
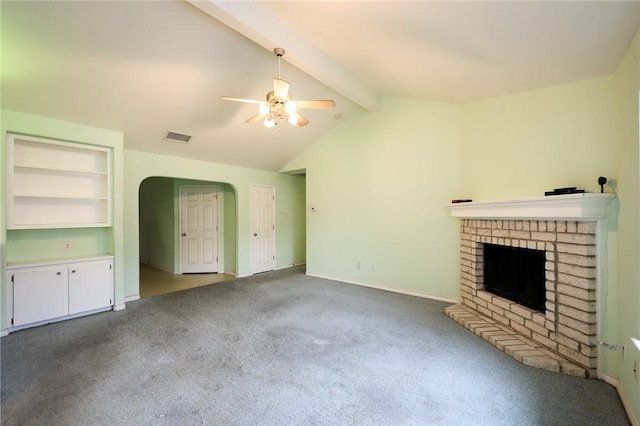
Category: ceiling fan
<point>279,106</point>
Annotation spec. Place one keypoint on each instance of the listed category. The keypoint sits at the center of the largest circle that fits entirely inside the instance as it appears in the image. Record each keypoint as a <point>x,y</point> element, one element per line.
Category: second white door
<point>199,228</point>
<point>263,229</point>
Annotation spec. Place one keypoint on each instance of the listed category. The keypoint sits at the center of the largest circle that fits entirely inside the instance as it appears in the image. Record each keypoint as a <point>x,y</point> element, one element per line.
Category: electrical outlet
<point>67,245</point>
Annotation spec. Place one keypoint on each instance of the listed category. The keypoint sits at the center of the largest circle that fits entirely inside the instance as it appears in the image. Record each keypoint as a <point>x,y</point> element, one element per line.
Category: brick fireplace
<point>568,230</point>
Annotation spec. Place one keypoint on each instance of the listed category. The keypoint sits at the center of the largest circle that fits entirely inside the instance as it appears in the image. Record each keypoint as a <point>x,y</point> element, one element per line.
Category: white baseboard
<point>613,381</point>
<point>233,274</point>
<point>390,289</point>
<point>4,333</point>
<point>59,319</point>
<point>290,265</point>
<point>131,298</point>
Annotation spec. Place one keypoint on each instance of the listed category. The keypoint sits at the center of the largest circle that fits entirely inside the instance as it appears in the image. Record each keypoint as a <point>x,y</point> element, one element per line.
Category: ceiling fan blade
<point>255,118</point>
<point>326,104</point>
<point>249,101</point>
<point>280,88</point>
<point>301,121</point>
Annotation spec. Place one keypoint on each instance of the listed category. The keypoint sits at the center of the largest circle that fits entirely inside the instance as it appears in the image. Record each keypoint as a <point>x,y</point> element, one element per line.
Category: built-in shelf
<point>55,184</point>
<point>585,206</point>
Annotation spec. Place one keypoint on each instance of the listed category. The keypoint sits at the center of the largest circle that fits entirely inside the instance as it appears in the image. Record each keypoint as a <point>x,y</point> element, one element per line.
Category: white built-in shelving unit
<point>55,184</point>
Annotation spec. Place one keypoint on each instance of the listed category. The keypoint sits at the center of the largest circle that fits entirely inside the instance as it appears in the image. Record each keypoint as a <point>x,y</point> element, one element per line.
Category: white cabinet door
<point>90,286</point>
<point>39,295</point>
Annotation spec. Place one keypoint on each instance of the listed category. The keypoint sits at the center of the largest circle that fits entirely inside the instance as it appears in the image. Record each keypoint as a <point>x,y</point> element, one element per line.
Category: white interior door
<point>263,229</point>
<point>199,229</point>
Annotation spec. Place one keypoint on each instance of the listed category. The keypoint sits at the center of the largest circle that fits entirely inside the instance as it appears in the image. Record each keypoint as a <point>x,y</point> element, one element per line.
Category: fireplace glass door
<point>516,274</point>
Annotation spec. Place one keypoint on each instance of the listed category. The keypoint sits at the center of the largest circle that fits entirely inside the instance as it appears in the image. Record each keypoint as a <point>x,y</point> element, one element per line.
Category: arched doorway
<point>160,236</point>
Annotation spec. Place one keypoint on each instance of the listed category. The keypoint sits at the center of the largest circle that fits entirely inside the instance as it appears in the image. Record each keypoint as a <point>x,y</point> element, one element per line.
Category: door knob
<point>255,234</point>
<point>184,234</point>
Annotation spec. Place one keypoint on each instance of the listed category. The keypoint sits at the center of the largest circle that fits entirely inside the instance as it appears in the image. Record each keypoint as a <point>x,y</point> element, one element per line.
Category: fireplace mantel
<point>588,206</point>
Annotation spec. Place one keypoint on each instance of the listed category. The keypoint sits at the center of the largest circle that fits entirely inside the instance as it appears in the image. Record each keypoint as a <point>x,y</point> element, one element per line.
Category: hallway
<point>154,281</point>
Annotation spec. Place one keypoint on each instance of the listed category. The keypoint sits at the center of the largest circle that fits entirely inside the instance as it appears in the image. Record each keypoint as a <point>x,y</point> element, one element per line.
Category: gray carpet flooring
<point>282,348</point>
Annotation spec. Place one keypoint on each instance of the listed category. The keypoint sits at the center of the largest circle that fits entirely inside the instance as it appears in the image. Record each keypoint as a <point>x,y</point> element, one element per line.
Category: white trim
<point>389,289</point>
<point>59,319</point>
<point>119,307</point>
<point>160,268</point>
<point>132,298</point>
<point>554,207</point>
<point>613,381</point>
<point>4,333</point>
<point>244,275</point>
<point>290,265</point>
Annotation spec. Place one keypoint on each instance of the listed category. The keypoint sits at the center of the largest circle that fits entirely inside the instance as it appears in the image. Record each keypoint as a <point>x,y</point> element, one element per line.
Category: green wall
<point>290,194</point>
<point>525,144</point>
<point>627,86</point>
<point>157,219</point>
<point>376,189</point>
<point>43,244</point>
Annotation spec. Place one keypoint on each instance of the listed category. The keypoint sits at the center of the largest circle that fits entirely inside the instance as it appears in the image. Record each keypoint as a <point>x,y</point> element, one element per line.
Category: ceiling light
<point>269,122</point>
<point>264,109</point>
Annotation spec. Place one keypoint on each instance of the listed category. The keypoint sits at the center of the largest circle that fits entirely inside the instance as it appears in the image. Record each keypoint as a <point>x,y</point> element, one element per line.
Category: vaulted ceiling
<point>146,68</point>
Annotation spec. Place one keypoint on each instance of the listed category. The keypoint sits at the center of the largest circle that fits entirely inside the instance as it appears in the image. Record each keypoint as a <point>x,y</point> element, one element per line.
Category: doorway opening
<point>164,218</point>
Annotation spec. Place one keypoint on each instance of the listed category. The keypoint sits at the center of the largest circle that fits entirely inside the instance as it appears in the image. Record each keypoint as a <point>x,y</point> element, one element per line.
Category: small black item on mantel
<point>461,200</point>
<point>601,181</point>
<point>564,191</point>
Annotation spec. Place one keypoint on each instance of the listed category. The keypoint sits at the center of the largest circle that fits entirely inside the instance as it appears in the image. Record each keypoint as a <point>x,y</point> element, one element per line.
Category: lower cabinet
<point>41,292</point>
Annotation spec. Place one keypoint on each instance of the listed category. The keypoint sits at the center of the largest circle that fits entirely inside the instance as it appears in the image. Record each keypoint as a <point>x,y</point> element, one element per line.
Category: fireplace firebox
<point>516,274</point>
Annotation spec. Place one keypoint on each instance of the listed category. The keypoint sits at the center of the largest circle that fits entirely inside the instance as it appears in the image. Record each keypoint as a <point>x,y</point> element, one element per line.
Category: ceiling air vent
<point>177,137</point>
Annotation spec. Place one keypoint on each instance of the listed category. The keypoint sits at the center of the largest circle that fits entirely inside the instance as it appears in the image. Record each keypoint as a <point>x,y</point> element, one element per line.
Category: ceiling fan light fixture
<point>268,122</point>
<point>279,106</point>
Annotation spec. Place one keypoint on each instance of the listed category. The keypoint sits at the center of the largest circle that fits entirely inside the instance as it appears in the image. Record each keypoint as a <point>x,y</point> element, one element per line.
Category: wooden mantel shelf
<point>555,207</point>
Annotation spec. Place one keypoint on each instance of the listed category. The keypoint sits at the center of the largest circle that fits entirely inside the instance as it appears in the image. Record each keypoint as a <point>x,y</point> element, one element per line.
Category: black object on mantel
<point>461,200</point>
<point>563,191</point>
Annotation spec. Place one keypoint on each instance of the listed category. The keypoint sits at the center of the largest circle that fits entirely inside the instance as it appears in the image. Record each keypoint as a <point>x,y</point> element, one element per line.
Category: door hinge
<point>216,259</point>
<point>11,321</point>
<point>273,197</point>
<point>12,280</point>
<point>273,227</point>
<point>274,257</point>
<point>110,265</point>
<point>111,301</point>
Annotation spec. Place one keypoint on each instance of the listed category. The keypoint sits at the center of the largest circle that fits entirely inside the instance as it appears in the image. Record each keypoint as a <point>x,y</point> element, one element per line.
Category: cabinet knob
<point>73,271</point>
<point>58,273</point>
<point>184,234</point>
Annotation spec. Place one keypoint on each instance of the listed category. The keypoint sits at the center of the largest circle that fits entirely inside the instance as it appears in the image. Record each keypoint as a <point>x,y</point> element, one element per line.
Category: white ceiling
<point>149,67</point>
